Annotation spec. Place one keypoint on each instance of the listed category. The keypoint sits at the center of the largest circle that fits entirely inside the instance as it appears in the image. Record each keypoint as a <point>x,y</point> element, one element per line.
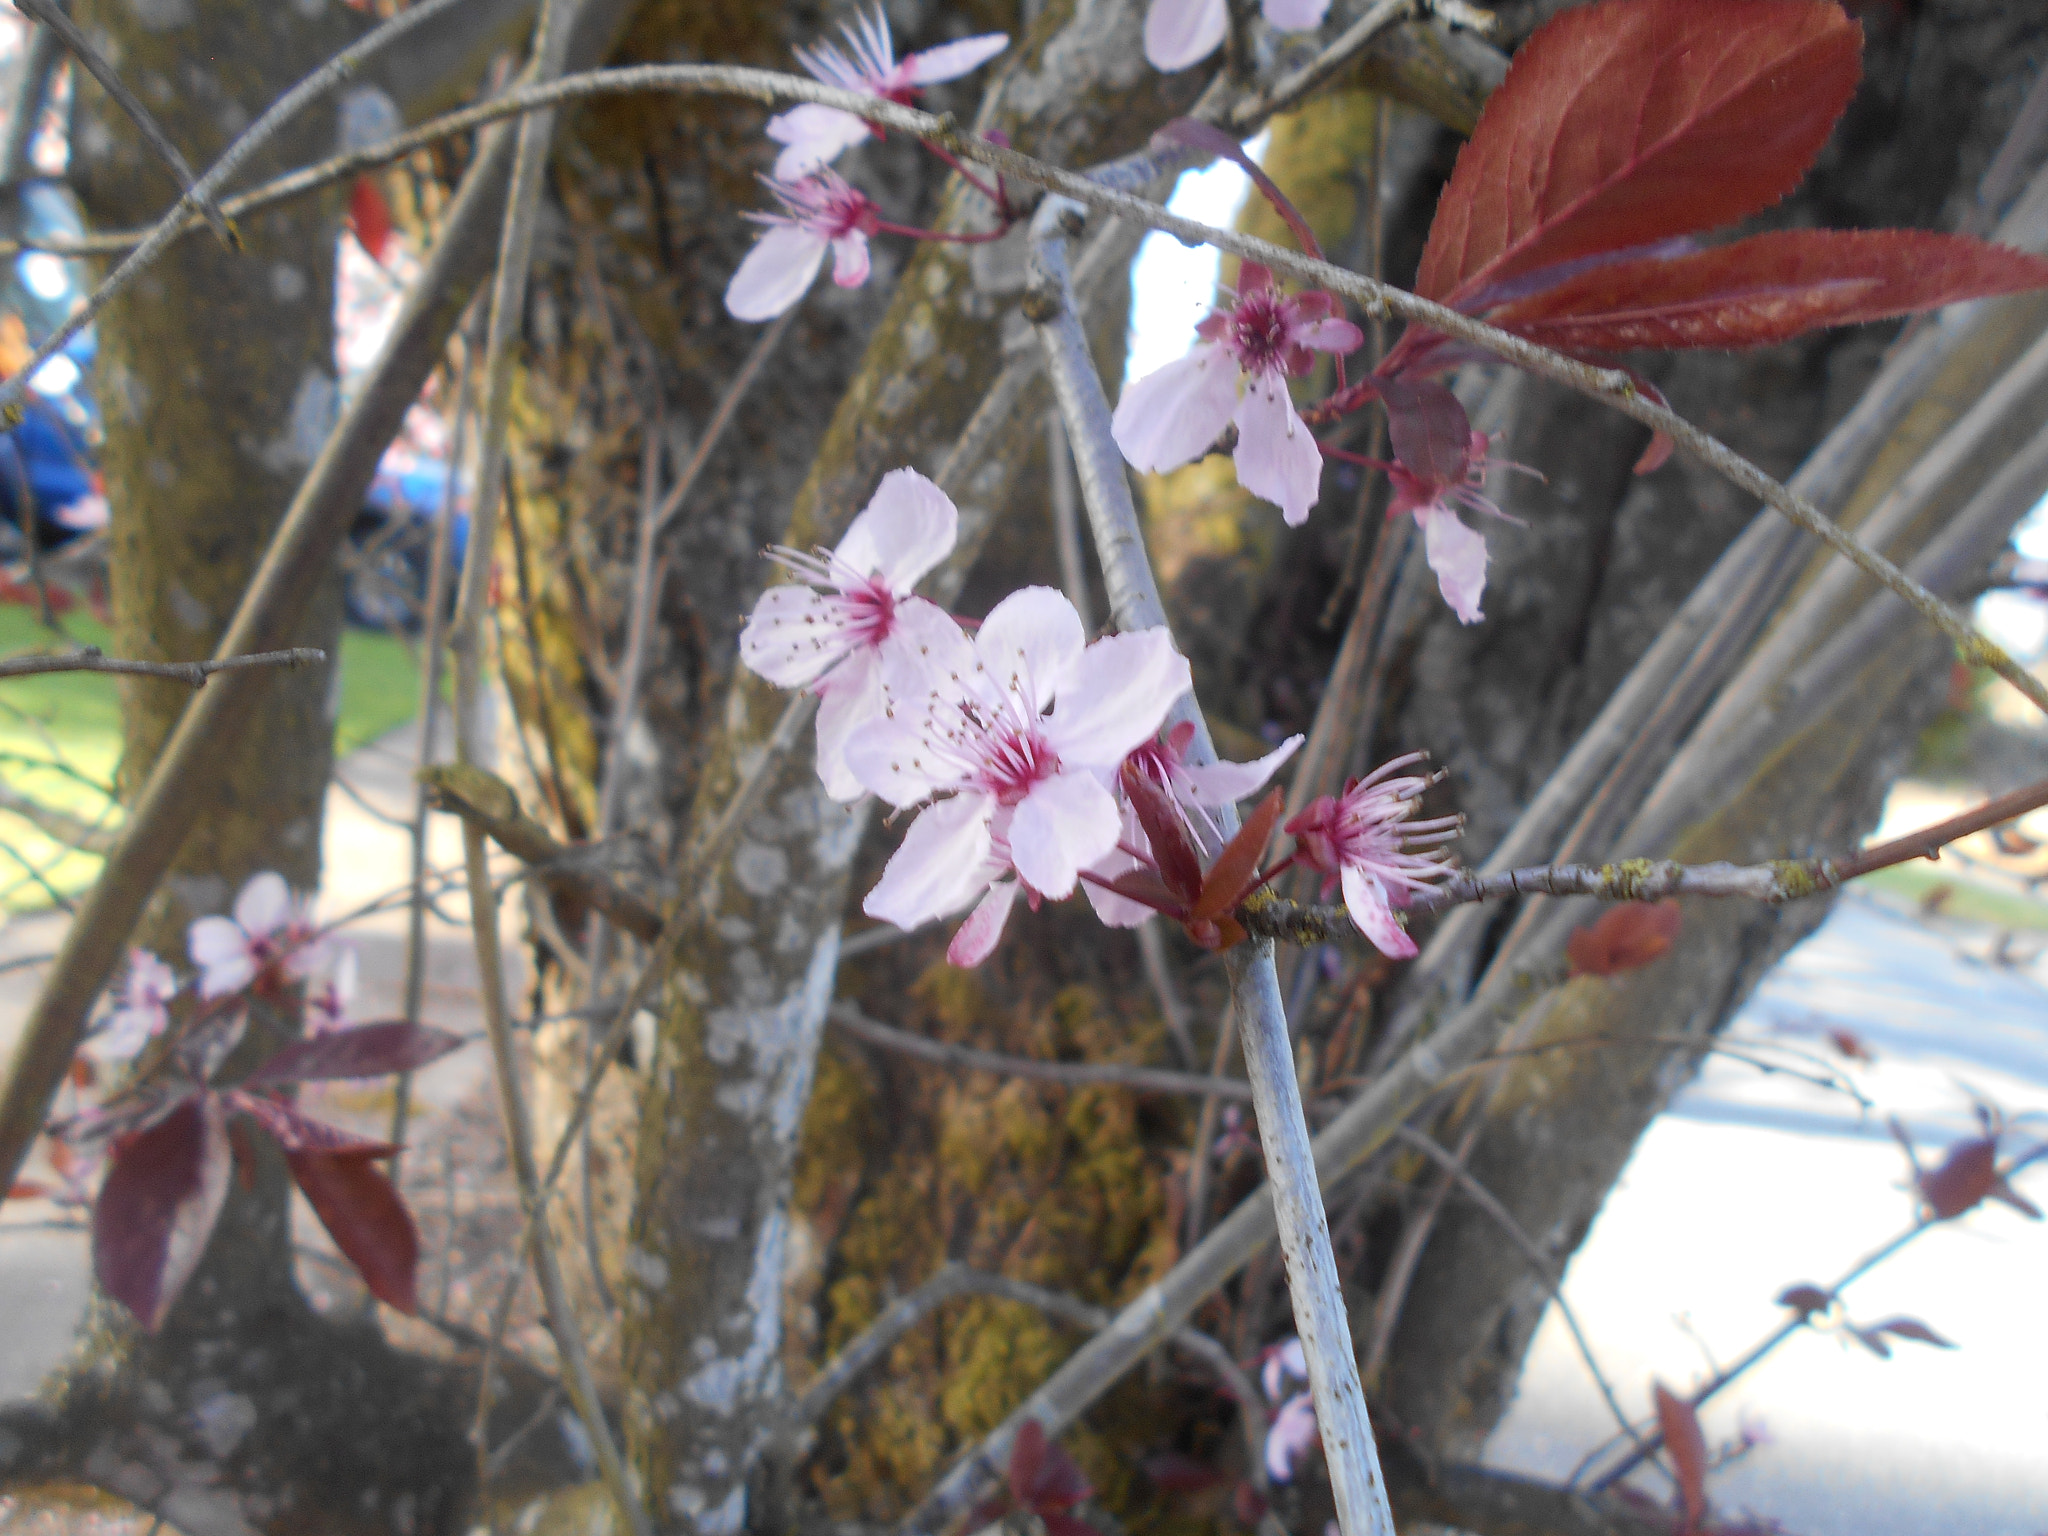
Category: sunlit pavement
<point>1754,1182</point>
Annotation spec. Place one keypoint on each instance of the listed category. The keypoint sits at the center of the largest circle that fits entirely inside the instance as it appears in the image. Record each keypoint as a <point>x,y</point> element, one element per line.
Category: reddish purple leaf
<point>1179,866</point>
<point>367,1219</point>
<point>1767,289</point>
<point>1912,1328</point>
<point>1238,863</point>
<point>1873,1340</point>
<point>163,1193</point>
<point>296,1132</point>
<point>1806,1299</point>
<point>1206,136</point>
<point>1148,890</point>
<point>1248,1504</point>
<point>1633,121</point>
<point>1850,1044</point>
<point>362,1050</point>
<point>1429,430</point>
<point>1964,1178</point>
<point>1687,1446</point>
<point>1043,1477</point>
<point>1625,938</point>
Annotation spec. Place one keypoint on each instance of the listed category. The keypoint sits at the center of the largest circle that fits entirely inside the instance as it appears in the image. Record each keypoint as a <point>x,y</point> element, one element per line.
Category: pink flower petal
<point>1029,643</point>
<point>926,652</point>
<point>1458,556</point>
<point>1366,899</point>
<point>1277,457</point>
<point>813,136</point>
<point>1220,784</point>
<point>850,259</point>
<point>950,61</point>
<point>888,757</point>
<point>1064,823</point>
<point>978,936</point>
<point>908,527</point>
<point>264,905</point>
<point>1173,416</point>
<point>1295,15</point>
<point>1113,910</point>
<point>1183,32</point>
<point>1330,336</point>
<point>847,700</point>
<point>1292,1436</point>
<point>942,866</point>
<point>1115,698</point>
<point>776,273</point>
<point>792,637</point>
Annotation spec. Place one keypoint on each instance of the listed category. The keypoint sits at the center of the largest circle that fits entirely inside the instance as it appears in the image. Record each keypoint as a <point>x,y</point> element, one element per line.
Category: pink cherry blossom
<point>827,633</point>
<point>1020,727</point>
<point>1363,839</point>
<point>1292,1436</point>
<point>814,135</point>
<point>1282,1363</point>
<point>1183,32</point>
<point>270,939</point>
<point>1173,417</point>
<point>1456,553</point>
<point>140,1015</point>
<point>819,213</point>
<point>1198,790</point>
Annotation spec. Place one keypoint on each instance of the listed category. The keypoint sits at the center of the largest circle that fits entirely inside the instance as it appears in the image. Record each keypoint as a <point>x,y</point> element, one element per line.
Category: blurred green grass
<point>60,743</point>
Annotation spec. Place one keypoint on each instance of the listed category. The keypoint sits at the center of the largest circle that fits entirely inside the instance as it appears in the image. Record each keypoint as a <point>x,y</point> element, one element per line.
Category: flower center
<point>1012,760</point>
<point>1259,334</point>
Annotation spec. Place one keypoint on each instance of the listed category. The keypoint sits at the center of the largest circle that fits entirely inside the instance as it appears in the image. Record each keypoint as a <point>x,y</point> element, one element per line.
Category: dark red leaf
<point>1206,136</point>
<point>1171,1472</point>
<point>1872,1340</point>
<point>1805,1298</point>
<point>1179,866</point>
<point>1043,1477</point>
<point>1687,1446</point>
<point>1148,890</point>
<point>1625,938</point>
<point>362,1050</point>
<point>367,1219</point>
<point>1912,1328</point>
<point>163,1193</point>
<point>1238,864</point>
<point>1429,430</point>
<point>1216,934</point>
<point>1767,289</point>
<point>1850,1044</point>
<point>2005,1193</point>
<point>1633,121</point>
<point>1964,1178</point>
<point>28,1189</point>
<point>296,1132</point>
<point>370,217</point>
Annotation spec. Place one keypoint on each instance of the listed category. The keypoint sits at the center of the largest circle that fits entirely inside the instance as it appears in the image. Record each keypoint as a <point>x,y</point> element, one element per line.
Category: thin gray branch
<point>89,659</point>
<point>52,16</point>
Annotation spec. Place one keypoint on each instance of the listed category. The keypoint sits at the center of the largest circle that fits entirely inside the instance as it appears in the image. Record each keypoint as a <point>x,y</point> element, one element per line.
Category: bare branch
<point>51,15</point>
<point>195,673</point>
<point>1076,1074</point>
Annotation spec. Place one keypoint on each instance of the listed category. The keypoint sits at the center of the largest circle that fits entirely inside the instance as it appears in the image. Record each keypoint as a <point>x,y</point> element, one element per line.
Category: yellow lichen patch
<point>1061,1187</point>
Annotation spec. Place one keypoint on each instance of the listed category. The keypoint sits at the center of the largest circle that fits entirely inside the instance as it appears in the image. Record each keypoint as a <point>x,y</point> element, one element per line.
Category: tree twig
<point>90,659</point>
<point>1076,1074</point>
<point>52,15</point>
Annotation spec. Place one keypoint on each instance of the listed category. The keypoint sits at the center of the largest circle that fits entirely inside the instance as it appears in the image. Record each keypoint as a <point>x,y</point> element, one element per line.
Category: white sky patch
<point>2018,620</point>
<point>1173,285</point>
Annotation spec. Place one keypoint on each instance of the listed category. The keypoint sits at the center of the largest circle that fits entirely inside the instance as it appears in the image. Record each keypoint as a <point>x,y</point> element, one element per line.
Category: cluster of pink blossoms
<point>269,945</point>
<point>1176,414</point>
<point>1013,742</point>
<point>820,210</point>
